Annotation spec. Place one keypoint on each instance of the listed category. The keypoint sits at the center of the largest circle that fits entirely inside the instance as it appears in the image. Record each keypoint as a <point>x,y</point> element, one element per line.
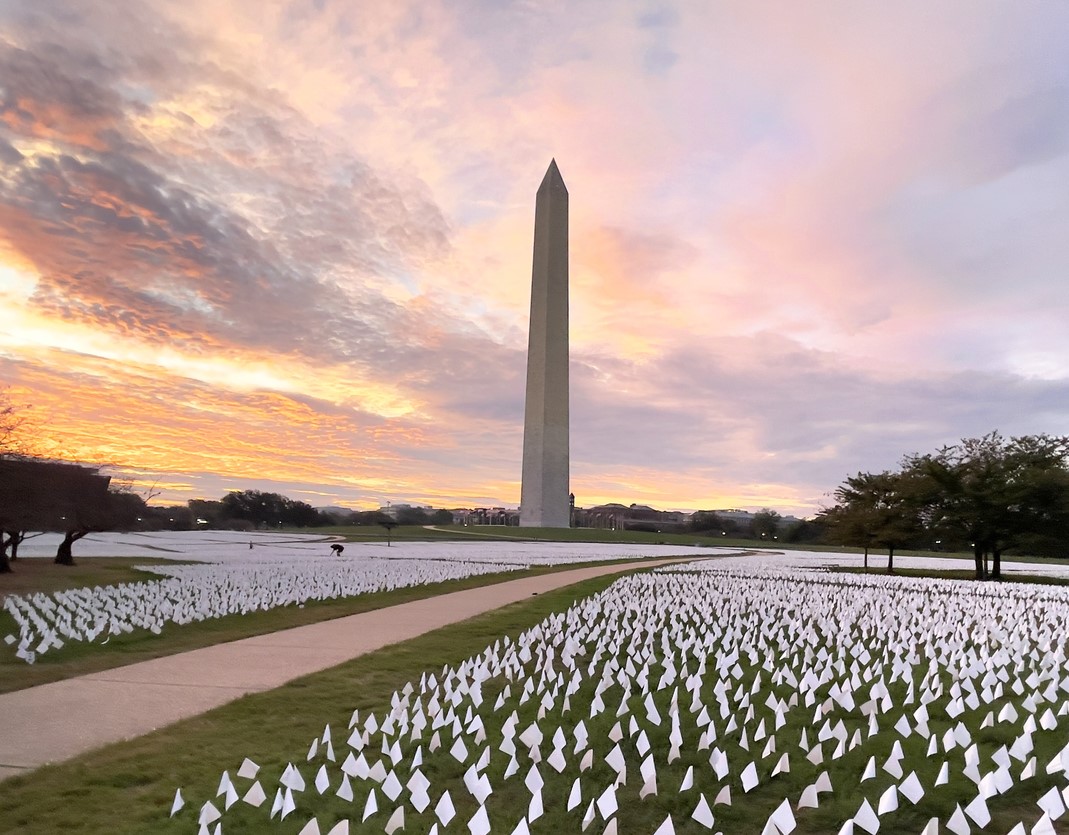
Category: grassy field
<point>129,787</point>
<point>375,533</point>
<point>78,658</point>
<point>476,533</point>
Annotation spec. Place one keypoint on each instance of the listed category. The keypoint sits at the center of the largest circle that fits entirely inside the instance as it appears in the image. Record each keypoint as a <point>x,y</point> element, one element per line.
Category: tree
<point>12,504</point>
<point>994,493</point>
<point>846,524</point>
<point>877,509</point>
<point>366,517</point>
<point>408,515</point>
<point>388,523</point>
<point>86,506</point>
<point>20,506</point>
<point>270,510</point>
<point>54,496</point>
<point>441,517</point>
<point>702,521</point>
<point>990,494</point>
<point>805,531</point>
<point>13,427</point>
<point>765,523</point>
<point>262,509</point>
<point>208,510</point>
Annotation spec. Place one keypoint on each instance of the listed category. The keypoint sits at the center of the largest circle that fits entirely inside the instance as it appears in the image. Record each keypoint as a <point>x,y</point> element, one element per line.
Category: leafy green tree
<point>705,520</point>
<point>366,517</point>
<point>407,515</point>
<point>877,509</point>
<point>209,510</point>
<point>804,531</point>
<point>441,517</point>
<point>765,523</point>
<point>996,493</point>
<point>269,509</point>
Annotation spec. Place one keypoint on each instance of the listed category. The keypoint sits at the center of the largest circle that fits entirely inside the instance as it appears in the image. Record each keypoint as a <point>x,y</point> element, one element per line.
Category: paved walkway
<point>58,721</point>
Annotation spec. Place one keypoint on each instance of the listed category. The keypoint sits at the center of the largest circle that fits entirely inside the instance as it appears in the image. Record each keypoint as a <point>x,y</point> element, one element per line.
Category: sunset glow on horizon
<point>287,246</point>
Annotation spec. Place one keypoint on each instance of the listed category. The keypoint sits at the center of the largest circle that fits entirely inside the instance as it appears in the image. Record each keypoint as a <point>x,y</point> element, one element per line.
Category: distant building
<point>486,516</point>
<point>394,511</point>
<point>614,516</point>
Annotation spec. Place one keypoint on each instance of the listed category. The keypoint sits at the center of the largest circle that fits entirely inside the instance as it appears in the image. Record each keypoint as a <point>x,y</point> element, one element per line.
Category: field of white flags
<point>734,697</point>
<point>230,577</point>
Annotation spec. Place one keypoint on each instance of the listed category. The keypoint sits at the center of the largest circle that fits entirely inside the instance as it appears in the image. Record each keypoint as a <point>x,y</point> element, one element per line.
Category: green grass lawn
<point>470,533</point>
<point>598,535</point>
<point>129,787</point>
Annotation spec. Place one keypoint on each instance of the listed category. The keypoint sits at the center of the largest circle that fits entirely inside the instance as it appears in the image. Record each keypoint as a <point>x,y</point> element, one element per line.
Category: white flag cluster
<point>734,699</point>
<point>229,579</point>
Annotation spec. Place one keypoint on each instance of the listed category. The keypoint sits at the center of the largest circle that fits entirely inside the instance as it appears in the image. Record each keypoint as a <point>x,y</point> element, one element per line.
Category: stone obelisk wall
<point>544,489</point>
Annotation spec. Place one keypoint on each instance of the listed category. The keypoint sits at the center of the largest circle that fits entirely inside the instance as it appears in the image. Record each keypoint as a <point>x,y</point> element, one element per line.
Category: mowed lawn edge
<point>128,787</point>
<point>80,658</point>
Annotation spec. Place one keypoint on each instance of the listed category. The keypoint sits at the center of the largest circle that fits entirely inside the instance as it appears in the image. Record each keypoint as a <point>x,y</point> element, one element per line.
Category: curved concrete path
<point>58,721</point>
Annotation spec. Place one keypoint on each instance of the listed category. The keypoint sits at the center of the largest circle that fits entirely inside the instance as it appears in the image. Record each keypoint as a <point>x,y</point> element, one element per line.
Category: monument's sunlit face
<point>545,476</point>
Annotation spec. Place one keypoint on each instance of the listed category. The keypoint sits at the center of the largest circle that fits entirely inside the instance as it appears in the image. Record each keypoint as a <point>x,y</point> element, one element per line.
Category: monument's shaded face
<point>544,489</point>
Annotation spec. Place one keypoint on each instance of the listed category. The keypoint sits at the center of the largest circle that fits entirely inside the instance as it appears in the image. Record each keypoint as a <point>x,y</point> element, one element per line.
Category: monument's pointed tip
<point>553,179</point>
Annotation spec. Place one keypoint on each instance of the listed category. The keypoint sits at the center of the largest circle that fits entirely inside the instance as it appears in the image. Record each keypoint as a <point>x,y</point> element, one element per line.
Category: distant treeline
<point>256,510</point>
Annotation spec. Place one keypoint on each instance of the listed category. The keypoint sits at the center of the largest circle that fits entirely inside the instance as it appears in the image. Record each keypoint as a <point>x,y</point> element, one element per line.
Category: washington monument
<point>544,488</point>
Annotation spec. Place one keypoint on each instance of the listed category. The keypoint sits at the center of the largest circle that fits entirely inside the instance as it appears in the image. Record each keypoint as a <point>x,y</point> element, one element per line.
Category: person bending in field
<point>336,549</point>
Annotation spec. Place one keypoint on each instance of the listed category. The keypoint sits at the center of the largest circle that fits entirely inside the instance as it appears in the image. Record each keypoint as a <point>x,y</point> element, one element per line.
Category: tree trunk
<point>866,557</point>
<point>14,541</point>
<point>996,563</point>
<point>978,559</point>
<point>5,564</point>
<point>890,559</point>
<point>63,552</point>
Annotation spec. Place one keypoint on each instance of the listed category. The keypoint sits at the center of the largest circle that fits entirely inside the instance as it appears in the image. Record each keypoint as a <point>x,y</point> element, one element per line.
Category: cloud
<point>51,93</point>
<point>802,243</point>
<point>211,258</point>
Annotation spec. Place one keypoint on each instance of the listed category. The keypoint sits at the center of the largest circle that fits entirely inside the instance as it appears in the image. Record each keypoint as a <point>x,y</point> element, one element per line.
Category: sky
<point>287,245</point>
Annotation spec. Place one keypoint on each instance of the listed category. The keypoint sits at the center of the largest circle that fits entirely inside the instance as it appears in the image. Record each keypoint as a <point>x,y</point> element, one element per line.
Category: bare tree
<point>13,426</point>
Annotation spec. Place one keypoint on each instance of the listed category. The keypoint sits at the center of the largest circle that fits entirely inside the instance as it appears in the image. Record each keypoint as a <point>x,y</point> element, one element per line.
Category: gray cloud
<point>789,415</point>
<point>153,243</point>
